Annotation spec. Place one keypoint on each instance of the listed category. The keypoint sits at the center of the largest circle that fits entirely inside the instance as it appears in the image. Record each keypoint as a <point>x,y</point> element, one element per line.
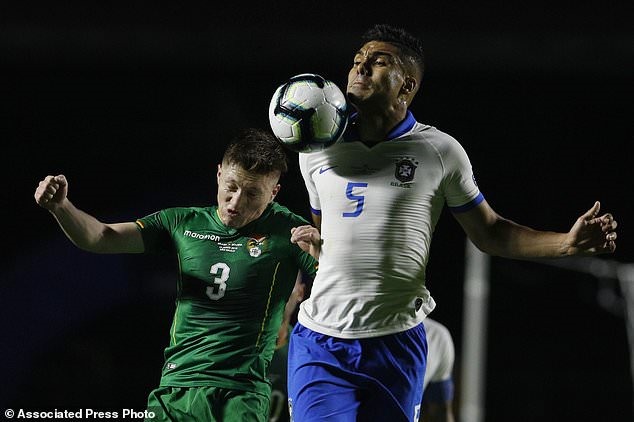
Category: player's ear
<point>409,85</point>
<point>275,191</point>
<point>218,173</point>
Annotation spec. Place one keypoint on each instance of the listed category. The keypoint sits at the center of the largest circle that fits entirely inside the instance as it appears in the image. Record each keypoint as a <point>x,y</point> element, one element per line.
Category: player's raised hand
<point>308,238</point>
<point>51,191</point>
<point>592,234</point>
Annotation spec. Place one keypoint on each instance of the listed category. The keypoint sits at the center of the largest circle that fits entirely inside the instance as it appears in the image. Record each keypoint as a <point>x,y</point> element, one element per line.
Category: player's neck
<point>374,128</point>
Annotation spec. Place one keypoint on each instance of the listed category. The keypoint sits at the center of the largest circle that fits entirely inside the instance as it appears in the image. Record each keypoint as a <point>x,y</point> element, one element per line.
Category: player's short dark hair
<point>256,150</point>
<point>410,45</point>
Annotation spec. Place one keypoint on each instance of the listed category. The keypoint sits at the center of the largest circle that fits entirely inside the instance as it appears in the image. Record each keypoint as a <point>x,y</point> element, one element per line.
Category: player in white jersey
<point>395,191</point>
<point>357,350</point>
<point>438,385</point>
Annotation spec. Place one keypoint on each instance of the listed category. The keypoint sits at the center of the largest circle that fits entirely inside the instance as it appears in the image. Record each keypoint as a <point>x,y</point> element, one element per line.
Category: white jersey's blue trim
<point>315,211</point>
<point>469,205</point>
<point>402,128</point>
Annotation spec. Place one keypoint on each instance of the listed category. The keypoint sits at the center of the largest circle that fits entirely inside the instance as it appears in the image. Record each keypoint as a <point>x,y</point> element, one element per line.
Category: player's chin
<point>354,97</point>
<point>358,94</point>
<point>356,90</point>
<point>233,221</point>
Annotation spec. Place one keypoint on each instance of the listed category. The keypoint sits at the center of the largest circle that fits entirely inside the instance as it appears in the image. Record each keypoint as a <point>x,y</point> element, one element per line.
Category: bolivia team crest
<point>405,170</point>
<point>255,245</point>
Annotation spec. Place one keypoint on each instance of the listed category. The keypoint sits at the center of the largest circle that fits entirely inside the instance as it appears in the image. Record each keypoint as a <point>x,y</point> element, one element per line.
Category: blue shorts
<point>347,380</point>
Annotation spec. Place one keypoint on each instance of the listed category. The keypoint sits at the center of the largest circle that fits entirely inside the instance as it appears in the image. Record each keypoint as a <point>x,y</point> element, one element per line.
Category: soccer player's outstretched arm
<point>591,234</point>
<point>84,230</point>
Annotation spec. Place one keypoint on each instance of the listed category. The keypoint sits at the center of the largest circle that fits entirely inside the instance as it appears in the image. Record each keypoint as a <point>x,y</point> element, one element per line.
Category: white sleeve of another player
<point>441,354</point>
<point>447,355</point>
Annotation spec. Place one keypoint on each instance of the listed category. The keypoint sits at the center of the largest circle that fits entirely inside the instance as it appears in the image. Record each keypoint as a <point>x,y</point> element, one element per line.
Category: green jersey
<point>232,288</point>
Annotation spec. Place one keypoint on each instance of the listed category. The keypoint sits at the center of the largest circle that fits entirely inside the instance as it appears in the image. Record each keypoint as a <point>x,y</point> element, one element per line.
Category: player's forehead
<point>234,173</point>
<point>378,48</point>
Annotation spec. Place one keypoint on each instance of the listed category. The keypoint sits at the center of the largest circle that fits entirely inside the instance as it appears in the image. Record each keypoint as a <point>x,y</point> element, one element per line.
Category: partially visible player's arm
<point>84,230</point>
<point>499,236</point>
<point>317,220</point>
<point>295,298</point>
<point>437,412</point>
<point>438,394</point>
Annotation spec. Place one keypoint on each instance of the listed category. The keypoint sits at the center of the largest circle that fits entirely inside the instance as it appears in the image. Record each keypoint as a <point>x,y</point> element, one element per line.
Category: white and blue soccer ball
<point>308,113</point>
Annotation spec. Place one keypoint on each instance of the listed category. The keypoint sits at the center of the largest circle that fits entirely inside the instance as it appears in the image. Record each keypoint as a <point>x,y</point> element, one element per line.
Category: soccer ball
<point>308,113</point>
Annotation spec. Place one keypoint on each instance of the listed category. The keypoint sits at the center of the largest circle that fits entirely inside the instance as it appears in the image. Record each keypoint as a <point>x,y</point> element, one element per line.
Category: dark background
<point>134,102</point>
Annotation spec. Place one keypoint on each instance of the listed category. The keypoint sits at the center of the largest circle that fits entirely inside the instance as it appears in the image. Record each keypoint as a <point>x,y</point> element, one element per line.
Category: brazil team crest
<point>405,170</point>
<point>255,245</point>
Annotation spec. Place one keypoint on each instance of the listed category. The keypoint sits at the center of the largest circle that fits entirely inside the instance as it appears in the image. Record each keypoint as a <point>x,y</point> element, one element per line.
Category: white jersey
<point>379,206</point>
<point>440,353</point>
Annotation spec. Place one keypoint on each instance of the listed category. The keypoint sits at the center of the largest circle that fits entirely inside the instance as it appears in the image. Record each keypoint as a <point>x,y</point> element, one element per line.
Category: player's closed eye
<point>254,194</point>
<point>231,188</point>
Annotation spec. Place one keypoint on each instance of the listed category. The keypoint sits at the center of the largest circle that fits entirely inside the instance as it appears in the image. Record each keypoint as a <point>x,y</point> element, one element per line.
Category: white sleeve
<point>441,355</point>
<point>459,182</point>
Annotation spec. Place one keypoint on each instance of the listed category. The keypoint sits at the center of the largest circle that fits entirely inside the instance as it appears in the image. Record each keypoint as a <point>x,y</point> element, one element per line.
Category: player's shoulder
<point>427,133</point>
<point>430,138</point>
<point>187,211</point>
<point>175,216</point>
<point>283,215</point>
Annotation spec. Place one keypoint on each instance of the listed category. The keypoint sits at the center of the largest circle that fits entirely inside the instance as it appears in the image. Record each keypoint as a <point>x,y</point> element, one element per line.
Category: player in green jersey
<point>238,263</point>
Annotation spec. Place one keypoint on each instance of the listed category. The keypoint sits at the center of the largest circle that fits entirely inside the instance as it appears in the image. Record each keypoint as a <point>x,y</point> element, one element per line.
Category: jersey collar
<point>403,127</point>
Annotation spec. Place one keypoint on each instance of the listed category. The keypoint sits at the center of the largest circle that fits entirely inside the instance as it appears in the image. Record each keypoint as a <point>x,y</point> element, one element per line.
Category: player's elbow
<point>491,238</point>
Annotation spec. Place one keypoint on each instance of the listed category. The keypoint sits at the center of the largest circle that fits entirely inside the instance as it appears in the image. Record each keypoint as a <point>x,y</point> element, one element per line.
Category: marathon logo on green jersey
<point>195,235</point>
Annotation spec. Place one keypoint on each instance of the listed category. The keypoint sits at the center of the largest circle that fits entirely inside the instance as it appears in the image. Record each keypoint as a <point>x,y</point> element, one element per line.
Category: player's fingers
<point>302,230</point>
<point>592,212</point>
<point>61,179</point>
<point>52,188</point>
<point>52,180</point>
<point>310,233</point>
<point>606,218</point>
<point>607,223</point>
<point>298,234</point>
<point>609,227</point>
<point>44,187</point>
<point>47,181</point>
<point>48,187</point>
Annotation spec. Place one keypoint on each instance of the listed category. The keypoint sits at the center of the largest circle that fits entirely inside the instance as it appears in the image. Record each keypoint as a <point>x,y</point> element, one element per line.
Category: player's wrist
<point>566,246</point>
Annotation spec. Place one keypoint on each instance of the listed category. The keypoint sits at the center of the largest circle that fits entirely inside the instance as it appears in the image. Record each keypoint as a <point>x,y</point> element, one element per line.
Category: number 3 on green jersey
<point>221,271</point>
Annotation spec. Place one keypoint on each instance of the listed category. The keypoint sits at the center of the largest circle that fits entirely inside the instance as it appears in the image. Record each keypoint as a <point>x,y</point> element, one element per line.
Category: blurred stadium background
<point>134,102</point>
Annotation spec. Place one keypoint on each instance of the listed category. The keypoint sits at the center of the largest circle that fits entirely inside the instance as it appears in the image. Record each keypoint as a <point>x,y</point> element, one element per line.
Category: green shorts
<point>214,404</point>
